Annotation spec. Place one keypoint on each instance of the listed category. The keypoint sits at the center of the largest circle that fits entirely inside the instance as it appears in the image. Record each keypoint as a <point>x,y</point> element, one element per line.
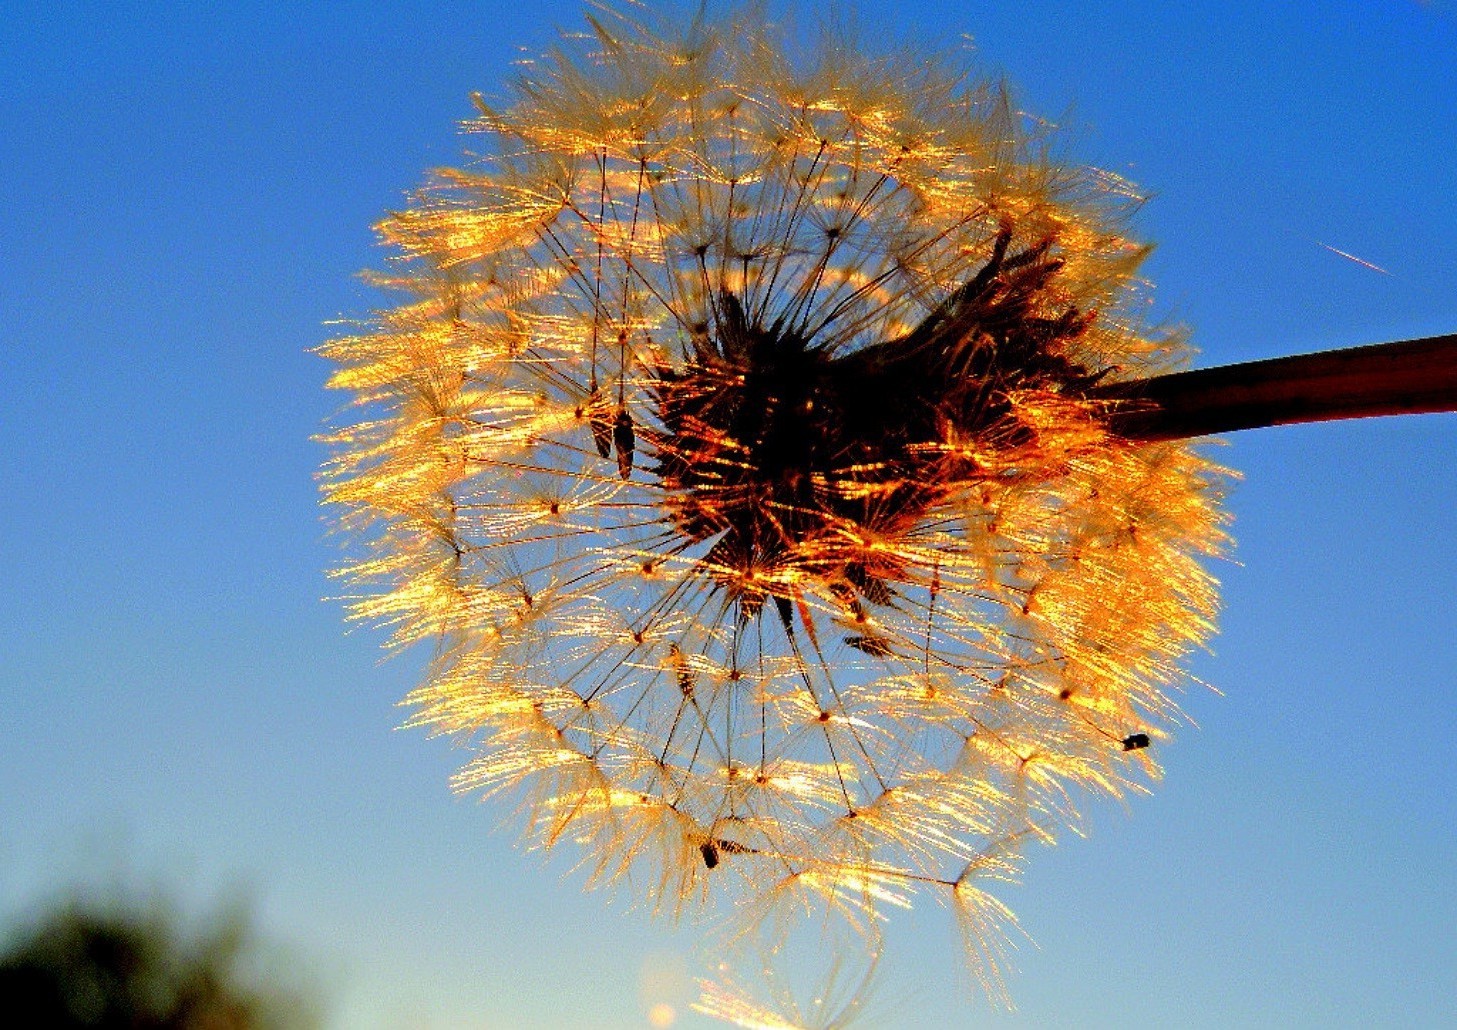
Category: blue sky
<point>187,198</point>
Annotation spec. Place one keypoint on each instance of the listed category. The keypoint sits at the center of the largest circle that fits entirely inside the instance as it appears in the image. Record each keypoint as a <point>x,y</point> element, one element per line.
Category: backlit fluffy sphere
<point>735,443</point>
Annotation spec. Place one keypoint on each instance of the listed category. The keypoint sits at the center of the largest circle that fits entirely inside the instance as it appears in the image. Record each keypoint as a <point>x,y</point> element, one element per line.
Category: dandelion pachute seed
<point>743,441</point>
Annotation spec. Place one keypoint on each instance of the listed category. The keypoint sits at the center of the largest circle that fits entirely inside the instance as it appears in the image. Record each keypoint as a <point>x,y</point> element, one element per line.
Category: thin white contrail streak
<point>1353,257</point>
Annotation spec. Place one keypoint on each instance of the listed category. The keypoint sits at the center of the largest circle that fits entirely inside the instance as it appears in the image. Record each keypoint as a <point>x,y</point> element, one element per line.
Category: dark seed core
<point>770,440</point>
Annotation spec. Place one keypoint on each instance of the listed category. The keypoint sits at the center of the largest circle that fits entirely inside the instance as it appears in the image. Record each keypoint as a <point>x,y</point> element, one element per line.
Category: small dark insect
<point>1135,741</point>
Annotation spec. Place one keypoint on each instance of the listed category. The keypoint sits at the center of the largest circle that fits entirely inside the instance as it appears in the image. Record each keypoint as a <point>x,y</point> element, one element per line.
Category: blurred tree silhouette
<point>91,964</point>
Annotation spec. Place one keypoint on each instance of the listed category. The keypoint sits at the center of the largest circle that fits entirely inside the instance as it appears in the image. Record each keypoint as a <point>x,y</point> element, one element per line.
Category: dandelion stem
<point>1404,378</point>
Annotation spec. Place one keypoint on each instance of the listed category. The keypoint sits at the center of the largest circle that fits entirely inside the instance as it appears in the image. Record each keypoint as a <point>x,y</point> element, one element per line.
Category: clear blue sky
<point>185,198</point>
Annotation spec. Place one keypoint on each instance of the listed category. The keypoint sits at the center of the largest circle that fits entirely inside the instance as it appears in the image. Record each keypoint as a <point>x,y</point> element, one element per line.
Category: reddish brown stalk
<point>1406,378</point>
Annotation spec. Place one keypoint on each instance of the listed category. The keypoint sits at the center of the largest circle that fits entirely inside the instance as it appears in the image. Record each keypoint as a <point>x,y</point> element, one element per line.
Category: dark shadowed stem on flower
<point>1406,378</point>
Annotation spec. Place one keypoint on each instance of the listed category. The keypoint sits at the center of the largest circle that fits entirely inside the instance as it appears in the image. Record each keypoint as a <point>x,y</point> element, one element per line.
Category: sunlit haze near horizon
<point>188,201</point>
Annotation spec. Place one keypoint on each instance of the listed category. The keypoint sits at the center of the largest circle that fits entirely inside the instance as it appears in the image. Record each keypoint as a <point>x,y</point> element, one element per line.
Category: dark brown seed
<point>875,646</point>
<point>625,441</point>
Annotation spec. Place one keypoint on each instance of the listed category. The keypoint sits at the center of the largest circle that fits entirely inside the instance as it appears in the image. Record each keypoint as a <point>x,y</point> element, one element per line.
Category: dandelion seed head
<point>735,444</point>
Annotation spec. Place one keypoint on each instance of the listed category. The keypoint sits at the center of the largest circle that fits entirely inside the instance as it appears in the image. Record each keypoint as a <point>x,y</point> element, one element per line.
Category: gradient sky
<point>185,200</point>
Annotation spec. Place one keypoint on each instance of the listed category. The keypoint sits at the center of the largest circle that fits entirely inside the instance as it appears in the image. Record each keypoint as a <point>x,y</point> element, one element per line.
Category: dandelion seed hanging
<point>743,447</point>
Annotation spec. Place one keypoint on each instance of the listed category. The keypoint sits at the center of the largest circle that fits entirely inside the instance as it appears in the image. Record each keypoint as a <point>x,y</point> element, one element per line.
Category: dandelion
<point>767,446</point>
<point>840,1002</point>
